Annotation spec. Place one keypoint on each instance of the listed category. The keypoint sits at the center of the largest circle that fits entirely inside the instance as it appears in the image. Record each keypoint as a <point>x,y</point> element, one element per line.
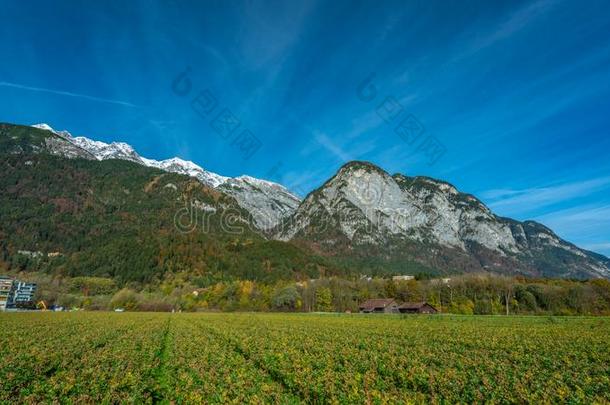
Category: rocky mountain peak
<point>360,165</point>
<point>362,206</point>
<point>47,127</point>
<point>364,213</point>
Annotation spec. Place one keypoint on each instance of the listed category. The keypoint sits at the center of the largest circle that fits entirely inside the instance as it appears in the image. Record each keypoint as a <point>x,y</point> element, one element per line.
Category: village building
<point>417,308</point>
<point>440,280</point>
<point>380,305</point>
<point>403,278</point>
<point>6,290</point>
<point>15,293</point>
<point>23,293</point>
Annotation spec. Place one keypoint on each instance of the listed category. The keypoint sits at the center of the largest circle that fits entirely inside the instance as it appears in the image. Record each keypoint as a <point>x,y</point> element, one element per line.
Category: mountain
<point>363,211</point>
<point>105,208</point>
<point>267,202</point>
<point>64,211</point>
<point>188,168</point>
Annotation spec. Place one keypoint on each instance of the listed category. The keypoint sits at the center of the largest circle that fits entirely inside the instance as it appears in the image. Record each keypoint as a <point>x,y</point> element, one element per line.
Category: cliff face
<point>362,216</point>
<point>364,209</point>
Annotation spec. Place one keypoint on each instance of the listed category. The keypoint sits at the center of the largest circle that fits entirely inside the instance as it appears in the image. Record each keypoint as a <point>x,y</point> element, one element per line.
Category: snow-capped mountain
<point>46,127</point>
<point>364,206</point>
<point>100,150</point>
<point>104,151</point>
<point>186,167</point>
<point>63,145</point>
<point>362,216</point>
<point>267,202</point>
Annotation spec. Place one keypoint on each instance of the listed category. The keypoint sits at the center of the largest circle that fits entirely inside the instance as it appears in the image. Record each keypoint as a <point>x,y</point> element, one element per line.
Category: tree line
<point>476,294</point>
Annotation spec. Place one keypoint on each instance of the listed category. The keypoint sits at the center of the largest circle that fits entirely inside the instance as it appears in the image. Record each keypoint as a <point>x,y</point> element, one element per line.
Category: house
<point>6,292</point>
<point>381,305</point>
<point>440,281</point>
<point>417,308</point>
<point>403,278</point>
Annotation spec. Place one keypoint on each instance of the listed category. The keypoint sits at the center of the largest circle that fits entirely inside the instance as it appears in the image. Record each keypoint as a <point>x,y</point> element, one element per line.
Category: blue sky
<point>514,96</point>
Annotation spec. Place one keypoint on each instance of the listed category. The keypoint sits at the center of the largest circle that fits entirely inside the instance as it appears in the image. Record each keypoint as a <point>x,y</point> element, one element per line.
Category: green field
<point>292,358</point>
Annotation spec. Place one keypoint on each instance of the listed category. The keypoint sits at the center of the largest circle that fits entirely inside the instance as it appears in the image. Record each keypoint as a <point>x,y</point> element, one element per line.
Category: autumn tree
<point>324,299</point>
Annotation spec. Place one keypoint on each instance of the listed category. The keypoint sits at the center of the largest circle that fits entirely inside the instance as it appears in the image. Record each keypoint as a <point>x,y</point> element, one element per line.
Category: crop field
<point>294,358</point>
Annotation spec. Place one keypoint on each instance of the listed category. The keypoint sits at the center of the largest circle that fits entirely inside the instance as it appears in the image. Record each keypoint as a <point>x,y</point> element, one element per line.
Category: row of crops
<point>275,358</point>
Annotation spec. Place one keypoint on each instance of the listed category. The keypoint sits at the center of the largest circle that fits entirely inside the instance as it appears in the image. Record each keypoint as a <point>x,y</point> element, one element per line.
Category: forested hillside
<point>99,234</point>
<point>116,219</point>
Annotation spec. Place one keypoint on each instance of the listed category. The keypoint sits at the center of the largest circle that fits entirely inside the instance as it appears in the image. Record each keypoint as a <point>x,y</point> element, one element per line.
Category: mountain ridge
<point>366,218</point>
<point>267,201</point>
<point>367,207</point>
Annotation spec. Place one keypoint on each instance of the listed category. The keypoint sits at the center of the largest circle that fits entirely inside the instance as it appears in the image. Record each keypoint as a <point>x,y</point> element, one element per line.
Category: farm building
<point>403,278</point>
<point>382,305</point>
<point>417,308</point>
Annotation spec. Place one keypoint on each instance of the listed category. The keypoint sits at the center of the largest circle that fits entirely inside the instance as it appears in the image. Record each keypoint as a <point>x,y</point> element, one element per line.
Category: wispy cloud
<point>343,150</point>
<point>265,39</point>
<point>515,23</point>
<point>67,93</point>
<point>371,120</point>
<point>302,181</point>
<point>587,226</point>
<point>511,202</point>
<point>590,214</point>
<point>332,147</point>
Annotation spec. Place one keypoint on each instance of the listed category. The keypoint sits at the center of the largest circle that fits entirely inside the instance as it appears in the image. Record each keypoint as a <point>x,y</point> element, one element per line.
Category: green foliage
<point>126,299</point>
<point>467,294</point>
<point>291,359</point>
<point>116,219</point>
<point>324,299</point>
<point>461,306</point>
<point>19,138</point>
<point>93,285</point>
<point>84,229</point>
<point>526,299</point>
<point>286,298</point>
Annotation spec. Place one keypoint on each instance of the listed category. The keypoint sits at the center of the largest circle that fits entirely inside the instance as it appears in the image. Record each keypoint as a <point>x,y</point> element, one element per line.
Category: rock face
<point>363,208</point>
<point>365,216</point>
<point>267,202</point>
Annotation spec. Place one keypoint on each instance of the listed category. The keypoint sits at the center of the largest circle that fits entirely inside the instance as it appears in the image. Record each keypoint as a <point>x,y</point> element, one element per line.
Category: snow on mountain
<point>363,210</point>
<point>180,166</point>
<point>266,201</point>
<point>47,127</point>
<point>62,145</point>
<point>44,126</point>
<point>101,150</point>
<point>104,151</point>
